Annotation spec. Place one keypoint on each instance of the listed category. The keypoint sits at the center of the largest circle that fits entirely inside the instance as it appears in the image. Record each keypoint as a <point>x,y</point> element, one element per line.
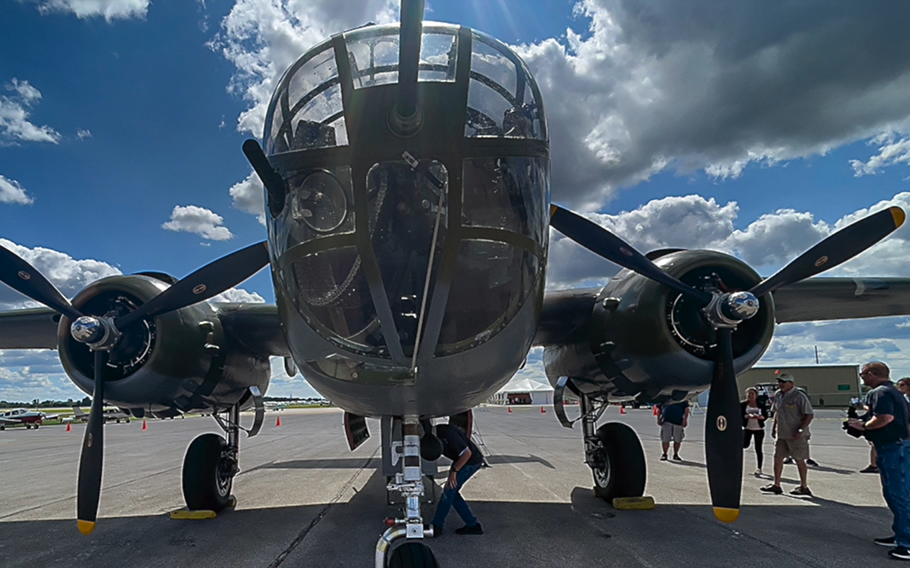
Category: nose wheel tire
<point>623,471</point>
<point>413,555</point>
<point>206,481</point>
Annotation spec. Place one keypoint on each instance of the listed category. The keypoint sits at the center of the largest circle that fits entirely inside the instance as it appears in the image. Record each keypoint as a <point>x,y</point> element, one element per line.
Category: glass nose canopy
<point>385,243</point>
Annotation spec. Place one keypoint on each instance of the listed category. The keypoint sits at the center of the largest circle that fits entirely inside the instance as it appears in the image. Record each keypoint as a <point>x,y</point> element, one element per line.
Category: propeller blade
<point>23,277</point>
<point>836,249</point>
<point>604,243</point>
<point>92,459</point>
<point>723,433</point>
<point>207,282</point>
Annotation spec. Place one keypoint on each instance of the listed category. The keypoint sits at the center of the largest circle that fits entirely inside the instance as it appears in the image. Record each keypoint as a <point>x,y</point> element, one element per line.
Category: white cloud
<point>67,274</point>
<point>693,221</point>
<point>705,86</point>
<point>29,374</point>
<point>249,196</point>
<point>14,114</point>
<point>236,295</point>
<point>12,192</point>
<point>200,221</point>
<point>262,38</point>
<point>282,384</point>
<point>891,152</point>
<point>109,9</point>
<point>651,86</point>
<point>82,134</point>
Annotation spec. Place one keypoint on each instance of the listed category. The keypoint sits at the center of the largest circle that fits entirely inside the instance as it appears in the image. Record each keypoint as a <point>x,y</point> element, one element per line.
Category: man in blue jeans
<point>885,425</point>
<point>466,460</point>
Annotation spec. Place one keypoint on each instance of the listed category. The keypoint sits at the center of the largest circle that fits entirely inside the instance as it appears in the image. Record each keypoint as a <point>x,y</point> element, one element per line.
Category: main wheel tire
<point>413,555</point>
<point>624,471</point>
<point>204,486</point>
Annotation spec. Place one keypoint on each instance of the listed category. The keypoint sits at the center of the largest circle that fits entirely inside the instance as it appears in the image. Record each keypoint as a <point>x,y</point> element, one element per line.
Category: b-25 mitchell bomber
<point>406,170</point>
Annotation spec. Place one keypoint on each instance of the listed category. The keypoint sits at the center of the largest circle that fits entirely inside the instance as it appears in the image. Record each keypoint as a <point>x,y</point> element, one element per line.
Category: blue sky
<point>110,120</point>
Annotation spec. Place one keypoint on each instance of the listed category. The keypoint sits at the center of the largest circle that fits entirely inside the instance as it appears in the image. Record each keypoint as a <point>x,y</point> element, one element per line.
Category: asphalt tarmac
<point>305,500</point>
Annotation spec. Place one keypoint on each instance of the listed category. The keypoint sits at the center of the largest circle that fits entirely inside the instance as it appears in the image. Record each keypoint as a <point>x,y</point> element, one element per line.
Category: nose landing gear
<point>404,470</point>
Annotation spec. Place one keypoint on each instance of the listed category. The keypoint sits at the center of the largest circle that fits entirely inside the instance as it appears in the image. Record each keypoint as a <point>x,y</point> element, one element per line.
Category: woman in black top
<point>754,416</point>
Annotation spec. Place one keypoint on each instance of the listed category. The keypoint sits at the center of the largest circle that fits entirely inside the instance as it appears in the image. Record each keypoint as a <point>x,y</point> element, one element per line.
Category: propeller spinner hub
<point>740,305</point>
<point>98,333</point>
<point>729,310</point>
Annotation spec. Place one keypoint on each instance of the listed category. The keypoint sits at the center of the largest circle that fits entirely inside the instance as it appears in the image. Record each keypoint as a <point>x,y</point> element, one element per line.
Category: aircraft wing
<point>819,299</point>
<point>28,329</point>
<point>256,326</point>
<point>8,421</point>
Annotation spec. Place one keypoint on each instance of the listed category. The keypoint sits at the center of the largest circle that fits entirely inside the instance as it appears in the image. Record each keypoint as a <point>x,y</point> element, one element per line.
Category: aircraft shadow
<point>357,463</point>
<point>568,534</point>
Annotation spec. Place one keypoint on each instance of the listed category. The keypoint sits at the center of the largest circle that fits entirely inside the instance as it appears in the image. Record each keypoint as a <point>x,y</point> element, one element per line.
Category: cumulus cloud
<point>200,221</point>
<point>29,374</point>
<point>642,87</point>
<point>282,384</point>
<point>249,196</point>
<point>238,295</point>
<point>892,151</point>
<point>693,221</point>
<point>705,86</point>
<point>262,38</point>
<point>82,134</point>
<point>14,114</point>
<point>108,9</point>
<point>67,274</point>
<point>12,192</point>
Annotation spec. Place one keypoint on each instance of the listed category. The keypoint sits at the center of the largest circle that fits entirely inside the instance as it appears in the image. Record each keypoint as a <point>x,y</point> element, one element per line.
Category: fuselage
<point>23,415</point>
<point>409,270</point>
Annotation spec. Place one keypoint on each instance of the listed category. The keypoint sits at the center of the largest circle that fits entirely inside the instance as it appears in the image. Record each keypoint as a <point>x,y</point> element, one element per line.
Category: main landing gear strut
<point>612,451</point>
<point>211,461</point>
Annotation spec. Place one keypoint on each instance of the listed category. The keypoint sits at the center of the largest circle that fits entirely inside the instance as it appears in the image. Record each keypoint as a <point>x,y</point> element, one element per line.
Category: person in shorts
<point>672,419</point>
<point>792,415</point>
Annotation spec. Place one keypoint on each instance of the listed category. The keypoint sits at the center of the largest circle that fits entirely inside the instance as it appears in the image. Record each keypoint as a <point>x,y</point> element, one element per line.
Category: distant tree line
<point>46,403</point>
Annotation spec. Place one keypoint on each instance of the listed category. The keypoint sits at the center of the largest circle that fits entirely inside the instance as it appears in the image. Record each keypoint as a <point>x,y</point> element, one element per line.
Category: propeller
<point>604,243</point>
<point>22,277</point>
<point>207,282</point>
<point>835,249</point>
<point>102,334</point>
<point>724,311</point>
<point>92,458</point>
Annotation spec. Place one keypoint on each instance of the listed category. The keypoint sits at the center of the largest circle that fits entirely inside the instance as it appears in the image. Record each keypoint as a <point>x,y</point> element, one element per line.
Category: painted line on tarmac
<point>325,510</point>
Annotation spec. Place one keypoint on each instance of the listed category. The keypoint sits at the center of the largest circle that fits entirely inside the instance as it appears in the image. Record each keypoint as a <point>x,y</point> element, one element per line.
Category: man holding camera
<point>885,425</point>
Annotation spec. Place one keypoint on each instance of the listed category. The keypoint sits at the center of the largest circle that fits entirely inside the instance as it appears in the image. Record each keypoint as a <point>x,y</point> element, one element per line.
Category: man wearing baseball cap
<point>792,415</point>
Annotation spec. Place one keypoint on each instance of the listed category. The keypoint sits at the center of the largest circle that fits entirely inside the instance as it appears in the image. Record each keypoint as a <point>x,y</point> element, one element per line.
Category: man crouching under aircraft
<point>885,425</point>
<point>466,460</point>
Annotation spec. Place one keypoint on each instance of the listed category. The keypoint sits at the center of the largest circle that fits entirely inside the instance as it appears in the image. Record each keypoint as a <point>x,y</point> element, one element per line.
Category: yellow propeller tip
<point>86,527</point>
<point>898,215</point>
<point>726,515</point>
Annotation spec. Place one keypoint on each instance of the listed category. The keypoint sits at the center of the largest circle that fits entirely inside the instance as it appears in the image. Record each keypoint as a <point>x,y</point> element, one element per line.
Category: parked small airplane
<point>16,416</point>
<point>110,415</point>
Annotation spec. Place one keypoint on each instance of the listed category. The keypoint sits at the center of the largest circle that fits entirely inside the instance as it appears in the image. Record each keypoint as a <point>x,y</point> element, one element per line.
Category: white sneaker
<point>758,473</point>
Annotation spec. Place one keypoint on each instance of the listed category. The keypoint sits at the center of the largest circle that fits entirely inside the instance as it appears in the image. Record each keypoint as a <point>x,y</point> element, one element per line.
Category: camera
<point>851,413</point>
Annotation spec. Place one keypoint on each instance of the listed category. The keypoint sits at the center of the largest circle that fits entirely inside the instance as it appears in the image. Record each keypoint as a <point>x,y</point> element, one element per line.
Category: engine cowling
<point>646,342</point>
<point>175,362</point>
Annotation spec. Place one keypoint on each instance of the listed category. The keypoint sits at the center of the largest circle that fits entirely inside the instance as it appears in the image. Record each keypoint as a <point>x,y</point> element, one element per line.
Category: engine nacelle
<point>647,342</point>
<point>177,361</point>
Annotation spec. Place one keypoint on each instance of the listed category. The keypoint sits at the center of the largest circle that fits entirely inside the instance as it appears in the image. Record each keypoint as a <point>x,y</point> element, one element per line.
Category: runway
<point>305,500</point>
